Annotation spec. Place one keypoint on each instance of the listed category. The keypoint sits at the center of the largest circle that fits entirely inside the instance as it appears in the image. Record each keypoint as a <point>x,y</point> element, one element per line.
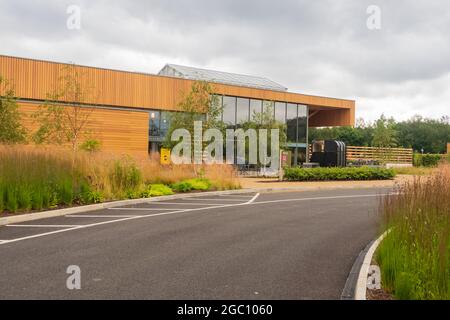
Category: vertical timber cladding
<point>119,131</point>
<point>33,79</point>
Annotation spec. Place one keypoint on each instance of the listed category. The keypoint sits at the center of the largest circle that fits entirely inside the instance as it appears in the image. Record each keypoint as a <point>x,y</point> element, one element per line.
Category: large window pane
<point>255,108</point>
<point>217,104</point>
<point>280,112</point>
<point>229,110</point>
<point>154,118</point>
<point>242,112</point>
<point>291,121</point>
<point>268,105</point>
<point>302,123</point>
<point>165,123</point>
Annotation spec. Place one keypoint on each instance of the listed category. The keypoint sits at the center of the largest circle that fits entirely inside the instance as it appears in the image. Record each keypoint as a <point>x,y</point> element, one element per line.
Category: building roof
<point>173,70</point>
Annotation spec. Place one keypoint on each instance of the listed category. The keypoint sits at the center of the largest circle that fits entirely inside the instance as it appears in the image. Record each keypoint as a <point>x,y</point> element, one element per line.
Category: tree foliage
<point>199,104</point>
<point>64,117</point>
<point>11,129</point>
<point>430,134</point>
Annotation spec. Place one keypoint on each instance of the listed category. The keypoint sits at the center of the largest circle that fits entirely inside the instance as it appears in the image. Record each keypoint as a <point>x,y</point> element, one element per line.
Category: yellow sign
<point>165,156</point>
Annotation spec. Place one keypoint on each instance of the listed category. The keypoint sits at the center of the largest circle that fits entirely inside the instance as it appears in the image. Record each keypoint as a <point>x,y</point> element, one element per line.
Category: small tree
<point>384,134</point>
<point>199,104</point>
<point>64,117</point>
<point>11,129</point>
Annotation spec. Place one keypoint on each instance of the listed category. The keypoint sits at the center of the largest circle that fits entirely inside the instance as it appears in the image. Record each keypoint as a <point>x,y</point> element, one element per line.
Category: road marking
<point>188,203</point>
<point>131,208</point>
<point>212,199</point>
<point>235,195</point>
<point>100,216</point>
<point>181,211</point>
<point>252,199</point>
<point>321,198</point>
<point>66,230</point>
<point>42,225</point>
<point>147,209</point>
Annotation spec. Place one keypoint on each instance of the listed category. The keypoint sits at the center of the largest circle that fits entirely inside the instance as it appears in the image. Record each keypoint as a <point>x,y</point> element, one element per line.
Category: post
<point>280,167</point>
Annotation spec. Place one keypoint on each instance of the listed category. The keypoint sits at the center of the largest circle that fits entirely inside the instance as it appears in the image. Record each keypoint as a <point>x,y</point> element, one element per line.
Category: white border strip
<point>361,283</point>
<point>42,225</point>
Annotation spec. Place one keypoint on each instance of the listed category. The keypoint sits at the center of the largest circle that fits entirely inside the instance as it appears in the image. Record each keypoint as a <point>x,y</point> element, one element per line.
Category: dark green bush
<point>427,160</point>
<point>328,174</point>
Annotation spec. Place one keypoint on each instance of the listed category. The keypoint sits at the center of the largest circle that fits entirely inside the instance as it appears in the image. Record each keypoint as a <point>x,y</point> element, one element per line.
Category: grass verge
<point>415,256</point>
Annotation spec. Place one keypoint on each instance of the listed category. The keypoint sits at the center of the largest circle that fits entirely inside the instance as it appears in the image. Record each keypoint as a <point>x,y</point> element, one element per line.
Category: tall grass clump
<point>39,178</point>
<point>414,257</point>
<point>35,180</point>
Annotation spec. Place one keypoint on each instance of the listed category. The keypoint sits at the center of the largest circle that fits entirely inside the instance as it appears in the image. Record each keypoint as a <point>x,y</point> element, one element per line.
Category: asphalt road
<point>287,245</point>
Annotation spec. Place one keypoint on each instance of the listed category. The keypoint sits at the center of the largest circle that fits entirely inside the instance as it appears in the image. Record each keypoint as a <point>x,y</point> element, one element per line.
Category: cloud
<point>314,47</point>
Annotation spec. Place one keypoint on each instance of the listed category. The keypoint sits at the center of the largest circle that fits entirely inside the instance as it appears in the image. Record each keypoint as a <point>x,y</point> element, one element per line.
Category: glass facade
<point>255,108</point>
<point>242,110</point>
<point>229,110</point>
<point>280,112</point>
<point>291,122</point>
<point>237,110</point>
<point>159,123</point>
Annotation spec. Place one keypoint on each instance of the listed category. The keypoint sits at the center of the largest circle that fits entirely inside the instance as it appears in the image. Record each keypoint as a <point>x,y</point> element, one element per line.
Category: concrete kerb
<point>356,285</point>
<point>93,207</point>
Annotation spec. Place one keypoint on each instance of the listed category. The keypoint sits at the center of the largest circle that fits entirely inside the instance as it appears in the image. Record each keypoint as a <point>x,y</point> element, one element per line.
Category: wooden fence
<point>384,155</point>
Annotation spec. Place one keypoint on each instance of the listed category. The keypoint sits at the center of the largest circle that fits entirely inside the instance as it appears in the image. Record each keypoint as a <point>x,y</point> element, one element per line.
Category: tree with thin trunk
<point>11,129</point>
<point>64,117</point>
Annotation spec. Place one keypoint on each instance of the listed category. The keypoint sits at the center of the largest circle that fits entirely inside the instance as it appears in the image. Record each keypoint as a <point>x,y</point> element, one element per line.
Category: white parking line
<point>182,211</point>
<point>188,203</point>
<point>320,198</point>
<point>212,199</point>
<point>236,196</point>
<point>101,216</point>
<point>252,199</point>
<point>42,225</point>
<point>146,209</point>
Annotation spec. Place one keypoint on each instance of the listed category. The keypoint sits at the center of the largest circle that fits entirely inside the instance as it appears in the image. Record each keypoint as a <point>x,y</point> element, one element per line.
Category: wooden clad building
<point>125,104</point>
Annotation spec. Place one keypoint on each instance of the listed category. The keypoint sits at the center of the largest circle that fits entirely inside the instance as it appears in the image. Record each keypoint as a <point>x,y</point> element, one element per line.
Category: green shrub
<point>427,160</point>
<point>125,175</point>
<point>199,184</point>
<point>191,184</point>
<point>326,174</point>
<point>155,190</point>
<point>90,146</point>
<point>182,186</point>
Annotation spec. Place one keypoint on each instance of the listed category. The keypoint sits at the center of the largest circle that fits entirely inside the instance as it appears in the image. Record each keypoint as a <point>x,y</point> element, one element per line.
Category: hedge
<point>428,160</point>
<point>329,174</point>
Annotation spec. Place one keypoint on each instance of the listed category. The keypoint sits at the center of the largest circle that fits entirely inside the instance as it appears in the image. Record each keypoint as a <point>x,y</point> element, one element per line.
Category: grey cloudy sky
<point>315,47</point>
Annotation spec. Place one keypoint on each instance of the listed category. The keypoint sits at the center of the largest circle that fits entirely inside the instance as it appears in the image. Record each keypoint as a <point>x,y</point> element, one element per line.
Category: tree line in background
<point>418,133</point>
